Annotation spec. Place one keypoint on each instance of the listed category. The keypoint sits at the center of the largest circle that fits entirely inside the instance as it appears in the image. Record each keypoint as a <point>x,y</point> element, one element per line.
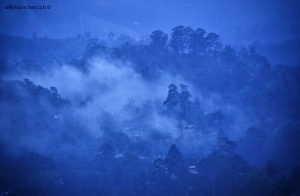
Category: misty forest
<point>177,113</point>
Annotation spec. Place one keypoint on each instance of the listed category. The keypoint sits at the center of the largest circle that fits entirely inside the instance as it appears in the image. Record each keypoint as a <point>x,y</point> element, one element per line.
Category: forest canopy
<point>172,114</point>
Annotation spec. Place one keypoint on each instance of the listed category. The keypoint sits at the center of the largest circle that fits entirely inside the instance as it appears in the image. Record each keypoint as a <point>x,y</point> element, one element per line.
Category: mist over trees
<point>175,114</point>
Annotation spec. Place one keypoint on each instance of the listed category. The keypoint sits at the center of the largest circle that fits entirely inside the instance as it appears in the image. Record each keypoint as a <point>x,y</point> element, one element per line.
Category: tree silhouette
<point>198,42</point>
<point>173,99</point>
<point>181,39</point>
<point>185,103</point>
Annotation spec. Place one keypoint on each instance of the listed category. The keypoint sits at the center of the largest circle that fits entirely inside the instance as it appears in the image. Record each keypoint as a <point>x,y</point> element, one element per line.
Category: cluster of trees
<point>178,104</point>
<point>126,172</point>
<point>199,57</point>
<point>185,40</point>
<point>222,172</point>
<point>26,92</point>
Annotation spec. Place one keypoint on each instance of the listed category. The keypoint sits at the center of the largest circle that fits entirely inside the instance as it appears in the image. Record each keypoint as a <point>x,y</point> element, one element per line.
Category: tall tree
<point>181,39</point>
<point>185,103</point>
<point>158,47</point>
<point>212,42</point>
<point>173,100</point>
<point>198,42</point>
<point>158,39</point>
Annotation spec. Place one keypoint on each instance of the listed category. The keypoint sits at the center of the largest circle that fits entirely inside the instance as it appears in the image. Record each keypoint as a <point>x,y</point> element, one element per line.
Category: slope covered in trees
<point>181,114</point>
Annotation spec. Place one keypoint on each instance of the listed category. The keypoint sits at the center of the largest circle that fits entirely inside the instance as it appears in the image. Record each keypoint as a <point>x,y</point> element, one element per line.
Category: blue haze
<point>150,98</point>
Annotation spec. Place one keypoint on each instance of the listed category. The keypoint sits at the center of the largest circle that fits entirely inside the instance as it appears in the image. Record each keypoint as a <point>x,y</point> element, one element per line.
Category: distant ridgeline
<point>200,57</point>
<point>185,47</point>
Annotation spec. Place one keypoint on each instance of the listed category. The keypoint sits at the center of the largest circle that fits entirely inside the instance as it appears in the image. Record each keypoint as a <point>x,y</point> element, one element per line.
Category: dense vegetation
<point>227,123</point>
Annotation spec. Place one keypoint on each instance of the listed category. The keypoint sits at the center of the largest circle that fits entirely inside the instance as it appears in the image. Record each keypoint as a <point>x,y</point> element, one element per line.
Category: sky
<point>237,21</point>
